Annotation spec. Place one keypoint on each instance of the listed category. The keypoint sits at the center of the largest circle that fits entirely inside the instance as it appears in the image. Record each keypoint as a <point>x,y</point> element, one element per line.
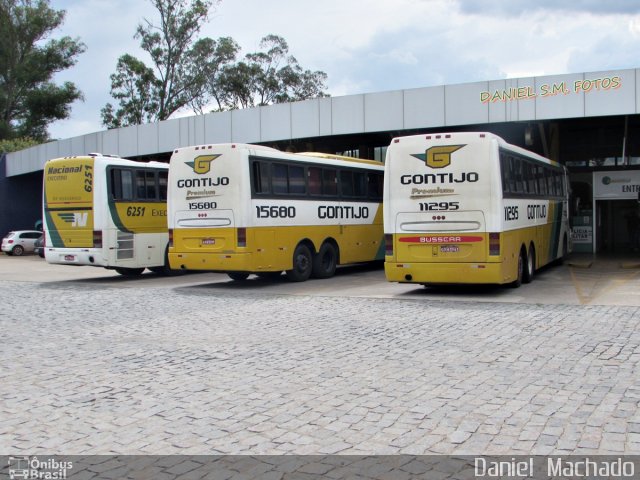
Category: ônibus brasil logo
<point>437,157</point>
<point>202,163</point>
<point>25,467</point>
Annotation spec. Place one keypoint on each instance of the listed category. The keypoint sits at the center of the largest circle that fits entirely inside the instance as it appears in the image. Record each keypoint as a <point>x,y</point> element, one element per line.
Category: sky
<point>371,45</point>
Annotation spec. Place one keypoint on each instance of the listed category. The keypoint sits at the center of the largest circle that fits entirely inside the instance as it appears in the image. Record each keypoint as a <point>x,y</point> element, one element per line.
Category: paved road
<point>91,363</point>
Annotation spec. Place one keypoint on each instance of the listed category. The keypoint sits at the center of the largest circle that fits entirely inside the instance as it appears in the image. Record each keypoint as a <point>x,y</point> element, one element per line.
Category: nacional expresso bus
<point>107,212</point>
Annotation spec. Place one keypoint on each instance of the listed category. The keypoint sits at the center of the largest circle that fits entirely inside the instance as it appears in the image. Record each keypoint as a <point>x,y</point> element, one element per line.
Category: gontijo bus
<point>470,208</point>
<point>247,209</point>
<point>106,211</point>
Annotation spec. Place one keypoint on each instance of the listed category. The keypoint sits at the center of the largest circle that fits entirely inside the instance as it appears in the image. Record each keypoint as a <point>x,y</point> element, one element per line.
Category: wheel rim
<point>302,262</point>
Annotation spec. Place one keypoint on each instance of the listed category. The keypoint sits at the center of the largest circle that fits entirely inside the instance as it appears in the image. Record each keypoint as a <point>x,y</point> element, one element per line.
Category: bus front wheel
<point>302,264</point>
<point>325,261</point>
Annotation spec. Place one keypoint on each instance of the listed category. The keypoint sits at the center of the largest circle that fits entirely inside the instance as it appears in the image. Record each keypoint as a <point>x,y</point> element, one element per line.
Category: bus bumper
<point>68,256</point>
<point>217,262</point>
<point>447,273</point>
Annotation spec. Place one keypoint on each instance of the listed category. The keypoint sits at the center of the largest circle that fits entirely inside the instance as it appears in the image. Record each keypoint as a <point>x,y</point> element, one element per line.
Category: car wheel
<point>302,264</point>
<point>17,250</point>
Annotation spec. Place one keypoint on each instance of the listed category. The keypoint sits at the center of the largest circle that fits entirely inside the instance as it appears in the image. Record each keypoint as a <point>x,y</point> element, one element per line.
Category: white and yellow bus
<point>247,209</point>
<point>107,212</point>
<point>470,208</point>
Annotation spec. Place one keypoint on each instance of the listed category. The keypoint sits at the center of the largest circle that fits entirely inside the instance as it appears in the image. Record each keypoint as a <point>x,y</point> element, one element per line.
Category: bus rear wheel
<point>130,272</point>
<point>519,271</point>
<point>530,269</point>
<point>302,264</point>
<point>325,261</point>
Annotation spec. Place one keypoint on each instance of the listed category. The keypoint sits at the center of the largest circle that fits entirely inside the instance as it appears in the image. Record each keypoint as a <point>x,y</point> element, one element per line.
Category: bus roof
<point>483,135</point>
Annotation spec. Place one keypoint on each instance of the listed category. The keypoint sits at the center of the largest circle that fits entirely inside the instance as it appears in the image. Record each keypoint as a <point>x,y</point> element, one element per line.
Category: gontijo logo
<point>437,157</point>
<point>202,163</point>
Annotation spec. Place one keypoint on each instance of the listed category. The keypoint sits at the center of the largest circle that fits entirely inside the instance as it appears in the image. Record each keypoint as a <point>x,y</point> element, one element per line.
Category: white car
<point>20,241</point>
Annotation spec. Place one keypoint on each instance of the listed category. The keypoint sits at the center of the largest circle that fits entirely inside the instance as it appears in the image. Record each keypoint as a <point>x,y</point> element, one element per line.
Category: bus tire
<point>325,261</point>
<point>166,268</point>
<point>129,272</point>
<point>302,264</point>
<point>238,276</point>
<point>519,270</point>
<point>530,267</point>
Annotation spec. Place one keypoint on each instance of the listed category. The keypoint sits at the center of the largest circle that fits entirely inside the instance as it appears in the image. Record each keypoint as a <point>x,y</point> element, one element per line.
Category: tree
<point>177,76</point>
<point>269,76</point>
<point>29,99</point>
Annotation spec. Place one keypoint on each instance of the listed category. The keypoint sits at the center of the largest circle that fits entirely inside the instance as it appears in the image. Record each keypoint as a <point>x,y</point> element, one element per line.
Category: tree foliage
<point>201,73</point>
<point>29,99</point>
<point>269,76</point>
<point>16,144</point>
<point>175,80</point>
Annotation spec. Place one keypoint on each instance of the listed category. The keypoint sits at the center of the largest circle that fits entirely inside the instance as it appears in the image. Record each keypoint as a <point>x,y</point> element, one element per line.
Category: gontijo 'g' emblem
<point>202,163</point>
<point>438,157</point>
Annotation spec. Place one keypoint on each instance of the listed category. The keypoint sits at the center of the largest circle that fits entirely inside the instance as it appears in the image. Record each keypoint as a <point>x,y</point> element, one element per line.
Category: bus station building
<point>589,122</point>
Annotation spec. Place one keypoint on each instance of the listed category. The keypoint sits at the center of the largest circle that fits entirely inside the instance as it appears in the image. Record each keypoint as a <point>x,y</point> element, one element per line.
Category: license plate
<point>449,248</point>
<point>69,258</point>
<point>208,241</point>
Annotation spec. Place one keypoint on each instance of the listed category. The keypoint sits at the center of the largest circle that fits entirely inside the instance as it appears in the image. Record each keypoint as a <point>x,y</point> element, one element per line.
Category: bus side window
<point>279,179</point>
<point>346,183</point>
<point>260,177</point>
<point>359,184</point>
<point>162,184</point>
<point>329,182</point>
<point>532,187</point>
<point>150,185</point>
<point>375,186</point>
<point>314,175</point>
<point>115,187</point>
<point>127,185</point>
<point>505,173</point>
<point>141,192</point>
<point>297,184</point>
<point>542,183</point>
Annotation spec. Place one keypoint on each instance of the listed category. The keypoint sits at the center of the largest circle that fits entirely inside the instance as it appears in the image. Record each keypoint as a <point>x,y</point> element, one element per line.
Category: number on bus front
<point>264,211</point>
<point>203,205</point>
<point>432,206</point>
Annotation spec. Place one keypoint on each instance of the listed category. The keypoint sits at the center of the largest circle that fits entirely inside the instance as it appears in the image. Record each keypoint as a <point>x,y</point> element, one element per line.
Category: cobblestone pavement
<point>86,369</point>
